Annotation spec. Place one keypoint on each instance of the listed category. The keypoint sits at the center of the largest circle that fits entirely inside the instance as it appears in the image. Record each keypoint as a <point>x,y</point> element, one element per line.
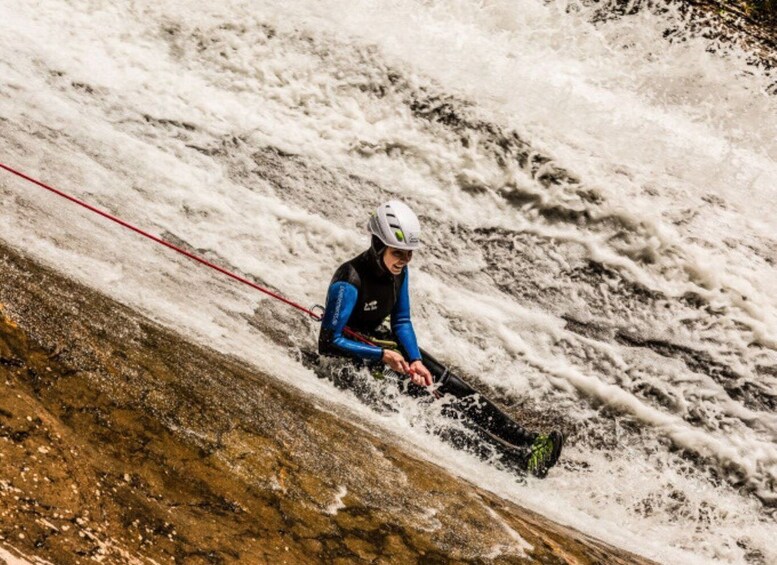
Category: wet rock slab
<point>121,442</point>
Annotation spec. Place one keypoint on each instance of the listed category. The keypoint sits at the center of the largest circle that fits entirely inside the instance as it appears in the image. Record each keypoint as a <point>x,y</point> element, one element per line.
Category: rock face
<point>122,442</point>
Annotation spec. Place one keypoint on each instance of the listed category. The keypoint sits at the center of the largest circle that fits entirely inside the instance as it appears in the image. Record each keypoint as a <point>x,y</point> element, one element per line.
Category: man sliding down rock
<point>374,285</point>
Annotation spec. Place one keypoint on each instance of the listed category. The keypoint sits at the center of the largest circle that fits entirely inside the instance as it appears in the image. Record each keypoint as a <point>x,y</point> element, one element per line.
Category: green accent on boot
<point>544,453</point>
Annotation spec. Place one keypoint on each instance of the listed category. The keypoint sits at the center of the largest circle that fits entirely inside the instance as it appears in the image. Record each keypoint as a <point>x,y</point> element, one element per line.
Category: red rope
<point>177,249</point>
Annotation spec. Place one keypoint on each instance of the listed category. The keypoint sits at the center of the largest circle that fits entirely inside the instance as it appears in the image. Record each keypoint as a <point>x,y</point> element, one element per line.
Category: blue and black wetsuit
<point>362,294</point>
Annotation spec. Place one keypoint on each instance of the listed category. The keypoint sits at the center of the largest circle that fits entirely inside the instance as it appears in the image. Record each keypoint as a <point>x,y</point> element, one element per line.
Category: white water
<point>675,148</point>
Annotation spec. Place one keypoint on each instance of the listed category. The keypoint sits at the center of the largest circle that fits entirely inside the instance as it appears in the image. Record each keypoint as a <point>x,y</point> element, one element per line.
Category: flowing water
<point>598,197</point>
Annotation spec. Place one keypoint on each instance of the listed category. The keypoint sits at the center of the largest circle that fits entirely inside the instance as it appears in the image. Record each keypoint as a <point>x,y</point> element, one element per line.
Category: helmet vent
<point>395,225</point>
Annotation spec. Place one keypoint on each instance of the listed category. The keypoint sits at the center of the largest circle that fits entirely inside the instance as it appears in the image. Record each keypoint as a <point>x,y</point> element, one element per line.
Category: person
<point>374,286</point>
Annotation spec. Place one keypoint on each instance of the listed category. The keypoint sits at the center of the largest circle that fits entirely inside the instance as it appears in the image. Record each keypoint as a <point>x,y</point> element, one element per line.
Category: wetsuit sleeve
<point>340,301</point>
<point>401,325</point>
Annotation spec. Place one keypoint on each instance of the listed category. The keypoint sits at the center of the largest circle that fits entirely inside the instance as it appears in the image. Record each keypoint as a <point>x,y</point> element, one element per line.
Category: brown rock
<point>119,439</point>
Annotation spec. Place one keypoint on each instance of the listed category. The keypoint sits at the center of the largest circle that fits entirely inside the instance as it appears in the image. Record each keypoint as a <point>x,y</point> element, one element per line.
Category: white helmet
<point>395,224</point>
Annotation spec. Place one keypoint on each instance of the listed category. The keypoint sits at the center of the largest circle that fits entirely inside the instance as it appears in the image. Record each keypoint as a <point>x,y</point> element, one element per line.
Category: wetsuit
<point>361,295</point>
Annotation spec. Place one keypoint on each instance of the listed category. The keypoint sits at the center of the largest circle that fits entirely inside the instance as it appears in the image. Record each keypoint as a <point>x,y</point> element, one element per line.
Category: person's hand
<point>395,361</point>
<point>419,374</point>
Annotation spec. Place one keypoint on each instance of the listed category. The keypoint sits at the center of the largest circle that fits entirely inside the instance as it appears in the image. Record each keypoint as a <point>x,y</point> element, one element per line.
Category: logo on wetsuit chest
<point>371,305</point>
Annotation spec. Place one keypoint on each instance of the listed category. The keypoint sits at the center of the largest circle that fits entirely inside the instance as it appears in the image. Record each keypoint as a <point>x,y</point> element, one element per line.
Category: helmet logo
<point>400,235</point>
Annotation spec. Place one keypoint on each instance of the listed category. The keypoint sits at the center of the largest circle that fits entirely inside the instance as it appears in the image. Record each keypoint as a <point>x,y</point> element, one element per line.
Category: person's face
<point>396,259</point>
